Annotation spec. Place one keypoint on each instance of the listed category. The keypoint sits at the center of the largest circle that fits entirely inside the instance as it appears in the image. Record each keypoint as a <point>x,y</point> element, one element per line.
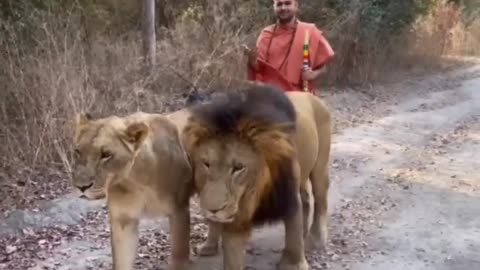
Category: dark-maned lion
<point>139,164</point>
<point>252,154</point>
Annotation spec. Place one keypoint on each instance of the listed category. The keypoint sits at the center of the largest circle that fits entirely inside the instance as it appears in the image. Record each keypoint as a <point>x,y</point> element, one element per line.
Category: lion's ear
<point>193,132</point>
<point>83,118</point>
<point>135,134</point>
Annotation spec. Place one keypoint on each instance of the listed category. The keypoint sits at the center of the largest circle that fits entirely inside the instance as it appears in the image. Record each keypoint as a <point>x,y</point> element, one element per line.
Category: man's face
<point>285,10</point>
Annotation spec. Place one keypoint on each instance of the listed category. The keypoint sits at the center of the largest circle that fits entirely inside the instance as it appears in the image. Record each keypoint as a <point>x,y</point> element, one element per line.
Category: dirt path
<point>404,195</point>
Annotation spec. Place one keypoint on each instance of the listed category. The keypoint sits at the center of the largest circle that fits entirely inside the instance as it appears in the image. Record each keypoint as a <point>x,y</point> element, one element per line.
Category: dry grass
<point>421,47</point>
<point>443,32</point>
<point>56,68</point>
<point>61,71</point>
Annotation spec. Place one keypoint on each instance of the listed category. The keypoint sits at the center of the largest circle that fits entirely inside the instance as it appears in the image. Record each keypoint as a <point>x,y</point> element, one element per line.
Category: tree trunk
<point>149,33</point>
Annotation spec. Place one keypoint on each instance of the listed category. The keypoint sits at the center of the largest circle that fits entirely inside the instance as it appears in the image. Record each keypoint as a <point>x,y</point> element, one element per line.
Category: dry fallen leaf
<point>10,249</point>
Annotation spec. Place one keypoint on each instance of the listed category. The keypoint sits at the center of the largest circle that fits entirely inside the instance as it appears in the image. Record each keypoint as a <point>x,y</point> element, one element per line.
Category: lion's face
<point>224,171</point>
<point>103,147</point>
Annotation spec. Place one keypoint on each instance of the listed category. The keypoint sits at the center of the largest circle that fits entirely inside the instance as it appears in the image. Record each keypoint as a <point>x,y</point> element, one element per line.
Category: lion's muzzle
<point>222,215</point>
<point>85,178</point>
<point>82,188</point>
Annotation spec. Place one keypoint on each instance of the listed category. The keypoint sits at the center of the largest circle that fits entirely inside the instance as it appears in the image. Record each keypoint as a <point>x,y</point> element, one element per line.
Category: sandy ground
<point>404,195</point>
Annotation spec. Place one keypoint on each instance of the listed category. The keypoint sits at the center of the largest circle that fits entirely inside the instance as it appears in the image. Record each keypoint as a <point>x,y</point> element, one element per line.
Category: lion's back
<point>313,129</point>
<point>310,106</point>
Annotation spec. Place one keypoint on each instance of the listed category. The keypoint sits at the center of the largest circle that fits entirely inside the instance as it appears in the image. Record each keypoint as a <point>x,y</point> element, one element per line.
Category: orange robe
<point>289,75</point>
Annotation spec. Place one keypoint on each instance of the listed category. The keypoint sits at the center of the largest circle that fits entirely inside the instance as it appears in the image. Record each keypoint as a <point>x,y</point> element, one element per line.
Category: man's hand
<point>245,48</point>
<point>251,55</point>
<point>308,74</point>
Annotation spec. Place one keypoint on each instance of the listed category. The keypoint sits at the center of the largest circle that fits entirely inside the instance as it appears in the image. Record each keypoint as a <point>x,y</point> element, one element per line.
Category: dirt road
<point>404,194</point>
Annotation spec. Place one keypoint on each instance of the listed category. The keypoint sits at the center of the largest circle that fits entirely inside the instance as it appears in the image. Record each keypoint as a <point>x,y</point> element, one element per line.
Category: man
<point>279,54</point>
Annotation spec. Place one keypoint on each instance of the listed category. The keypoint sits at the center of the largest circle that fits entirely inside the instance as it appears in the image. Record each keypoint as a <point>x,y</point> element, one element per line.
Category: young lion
<point>147,172</point>
<point>252,154</point>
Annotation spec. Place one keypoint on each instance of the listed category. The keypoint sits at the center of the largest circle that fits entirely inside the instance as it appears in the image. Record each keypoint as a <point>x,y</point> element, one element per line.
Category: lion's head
<point>103,147</point>
<point>241,150</point>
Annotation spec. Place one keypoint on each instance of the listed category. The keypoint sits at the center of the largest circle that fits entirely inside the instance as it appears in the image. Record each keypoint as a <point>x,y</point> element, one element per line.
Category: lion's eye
<point>237,167</point>
<point>206,164</point>
<point>105,155</point>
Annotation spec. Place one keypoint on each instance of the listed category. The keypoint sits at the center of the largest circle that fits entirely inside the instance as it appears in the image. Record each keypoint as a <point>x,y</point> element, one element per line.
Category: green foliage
<point>382,18</point>
<point>471,10</point>
<point>389,17</point>
<point>14,10</point>
<point>379,18</point>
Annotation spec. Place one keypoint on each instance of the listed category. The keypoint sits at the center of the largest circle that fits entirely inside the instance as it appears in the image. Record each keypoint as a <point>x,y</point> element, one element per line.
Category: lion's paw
<point>180,265</point>
<point>206,250</point>
<point>284,265</point>
<point>315,243</point>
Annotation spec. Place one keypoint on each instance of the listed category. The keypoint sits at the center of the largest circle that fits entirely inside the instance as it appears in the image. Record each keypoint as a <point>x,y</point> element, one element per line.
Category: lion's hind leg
<point>307,206</point>
<point>319,230</point>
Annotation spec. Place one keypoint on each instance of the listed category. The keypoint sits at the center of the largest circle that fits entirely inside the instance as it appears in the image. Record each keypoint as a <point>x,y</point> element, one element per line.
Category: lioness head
<point>237,146</point>
<point>103,147</point>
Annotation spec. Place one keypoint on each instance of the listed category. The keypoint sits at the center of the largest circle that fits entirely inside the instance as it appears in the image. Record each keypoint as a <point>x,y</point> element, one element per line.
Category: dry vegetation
<point>56,62</point>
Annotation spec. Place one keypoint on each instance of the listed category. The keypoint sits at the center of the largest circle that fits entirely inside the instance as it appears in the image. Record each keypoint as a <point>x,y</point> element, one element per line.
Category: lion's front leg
<point>124,241</point>
<point>180,241</point>
<point>293,257</point>
<point>210,247</point>
<point>234,244</point>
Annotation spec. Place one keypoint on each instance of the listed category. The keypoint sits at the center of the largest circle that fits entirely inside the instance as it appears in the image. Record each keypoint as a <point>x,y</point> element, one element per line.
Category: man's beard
<point>285,20</point>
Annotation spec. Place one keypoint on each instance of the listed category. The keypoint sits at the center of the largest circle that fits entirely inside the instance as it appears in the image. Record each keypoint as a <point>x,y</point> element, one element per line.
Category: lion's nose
<point>83,188</point>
